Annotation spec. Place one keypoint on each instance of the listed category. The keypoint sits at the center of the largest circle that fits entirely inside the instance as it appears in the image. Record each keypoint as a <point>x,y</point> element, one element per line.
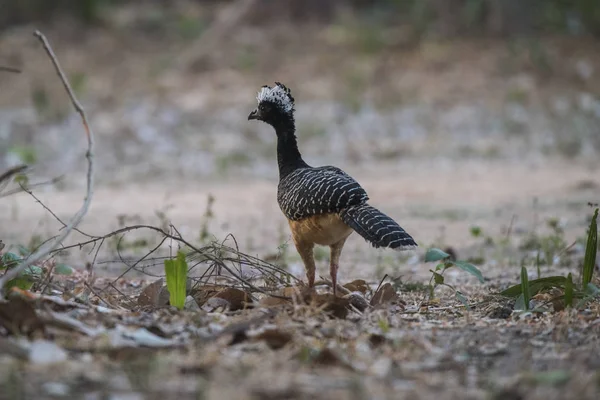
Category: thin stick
<point>56,217</point>
<point>91,289</point>
<point>44,251</point>
<point>19,190</point>
<point>10,69</point>
<point>12,171</point>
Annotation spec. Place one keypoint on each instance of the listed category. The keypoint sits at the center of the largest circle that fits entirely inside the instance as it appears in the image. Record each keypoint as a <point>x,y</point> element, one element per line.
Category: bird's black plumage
<point>376,227</point>
<point>309,191</point>
<point>306,191</point>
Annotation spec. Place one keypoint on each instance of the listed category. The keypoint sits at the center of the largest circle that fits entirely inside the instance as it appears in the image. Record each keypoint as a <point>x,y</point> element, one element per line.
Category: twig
<point>127,298</point>
<point>29,186</point>
<point>10,69</point>
<point>44,251</point>
<point>327,282</point>
<point>510,227</point>
<point>48,278</point>
<point>56,217</point>
<point>87,285</point>
<point>381,283</point>
<point>12,171</point>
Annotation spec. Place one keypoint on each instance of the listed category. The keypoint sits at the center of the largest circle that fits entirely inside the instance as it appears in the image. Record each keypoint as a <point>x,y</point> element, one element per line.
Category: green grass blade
<point>435,255</point>
<point>591,248</point>
<point>176,272</point>
<point>569,291</point>
<point>525,288</point>
<point>536,285</point>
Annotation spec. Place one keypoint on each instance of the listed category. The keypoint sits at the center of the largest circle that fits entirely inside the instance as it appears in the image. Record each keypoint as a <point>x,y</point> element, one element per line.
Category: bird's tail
<point>376,227</point>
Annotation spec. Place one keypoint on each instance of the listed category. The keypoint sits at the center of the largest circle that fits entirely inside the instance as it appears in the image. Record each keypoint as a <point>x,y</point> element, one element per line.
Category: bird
<point>323,205</point>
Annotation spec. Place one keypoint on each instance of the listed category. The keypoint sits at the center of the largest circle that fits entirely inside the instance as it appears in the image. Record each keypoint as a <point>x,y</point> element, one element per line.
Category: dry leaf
<point>385,294</point>
<point>330,357</point>
<point>273,301</point>
<point>376,339</point>
<point>237,298</point>
<point>297,294</point>
<point>295,291</point>
<point>215,304</point>
<point>154,295</point>
<point>275,338</point>
<point>358,285</point>
<point>17,316</point>
<point>333,305</point>
<point>202,293</point>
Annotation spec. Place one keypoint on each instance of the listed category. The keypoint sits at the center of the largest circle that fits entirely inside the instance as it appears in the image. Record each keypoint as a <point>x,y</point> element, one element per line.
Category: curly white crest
<point>278,95</point>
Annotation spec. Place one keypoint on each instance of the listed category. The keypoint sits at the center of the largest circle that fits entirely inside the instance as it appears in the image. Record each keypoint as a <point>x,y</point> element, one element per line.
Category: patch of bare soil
<point>88,337</point>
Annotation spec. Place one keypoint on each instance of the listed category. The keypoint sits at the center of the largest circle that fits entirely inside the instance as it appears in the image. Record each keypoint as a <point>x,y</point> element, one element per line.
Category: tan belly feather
<point>323,229</point>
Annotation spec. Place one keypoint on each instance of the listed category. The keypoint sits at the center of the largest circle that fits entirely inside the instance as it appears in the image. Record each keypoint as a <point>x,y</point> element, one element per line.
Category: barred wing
<point>310,191</point>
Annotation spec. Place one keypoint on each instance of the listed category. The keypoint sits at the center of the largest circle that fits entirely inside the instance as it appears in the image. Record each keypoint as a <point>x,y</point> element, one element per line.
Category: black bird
<point>323,205</point>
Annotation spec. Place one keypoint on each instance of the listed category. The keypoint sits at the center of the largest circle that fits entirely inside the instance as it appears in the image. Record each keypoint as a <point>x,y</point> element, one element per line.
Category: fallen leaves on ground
<point>310,335</point>
<point>18,317</point>
<point>384,295</point>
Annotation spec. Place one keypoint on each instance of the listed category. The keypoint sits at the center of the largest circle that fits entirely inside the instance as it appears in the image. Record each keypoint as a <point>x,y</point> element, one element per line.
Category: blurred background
<point>476,106</point>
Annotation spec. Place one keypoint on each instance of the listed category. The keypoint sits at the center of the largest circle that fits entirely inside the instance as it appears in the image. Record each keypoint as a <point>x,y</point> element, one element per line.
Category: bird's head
<point>275,105</point>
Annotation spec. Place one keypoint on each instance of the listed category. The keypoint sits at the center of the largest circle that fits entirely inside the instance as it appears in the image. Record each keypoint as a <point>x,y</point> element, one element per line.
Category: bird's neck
<point>288,155</point>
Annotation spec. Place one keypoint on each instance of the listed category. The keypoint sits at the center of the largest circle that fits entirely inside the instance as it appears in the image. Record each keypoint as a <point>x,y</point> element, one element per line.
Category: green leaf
<point>434,254</point>
<point>21,179</point>
<point>554,378</point>
<point>461,297</point>
<point>63,269</point>
<point>26,278</point>
<point>470,268</point>
<point>520,303</point>
<point>525,288</point>
<point>33,272</point>
<point>536,285</point>
<point>176,271</point>
<point>22,282</point>
<point>439,279</point>
<point>444,265</point>
<point>589,261</point>
<point>476,231</point>
<point>9,260</point>
<point>569,291</point>
<point>23,251</point>
<point>591,290</point>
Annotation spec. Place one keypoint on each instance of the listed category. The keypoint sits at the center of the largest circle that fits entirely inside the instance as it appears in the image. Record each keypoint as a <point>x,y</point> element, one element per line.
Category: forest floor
<point>466,153</point>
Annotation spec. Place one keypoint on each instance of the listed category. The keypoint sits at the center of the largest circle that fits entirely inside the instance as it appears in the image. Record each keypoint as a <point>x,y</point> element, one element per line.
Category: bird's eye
<point>261,107</point>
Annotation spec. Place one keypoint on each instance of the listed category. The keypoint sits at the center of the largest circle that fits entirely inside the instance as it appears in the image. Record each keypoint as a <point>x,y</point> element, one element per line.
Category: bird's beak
<point>254,115</point>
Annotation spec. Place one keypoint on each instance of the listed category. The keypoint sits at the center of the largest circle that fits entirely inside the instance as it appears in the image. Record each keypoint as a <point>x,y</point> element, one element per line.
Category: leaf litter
<point>294,342</point>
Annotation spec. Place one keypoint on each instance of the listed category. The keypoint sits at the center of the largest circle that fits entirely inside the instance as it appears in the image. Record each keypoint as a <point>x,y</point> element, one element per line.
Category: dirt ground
<point>464,141</point>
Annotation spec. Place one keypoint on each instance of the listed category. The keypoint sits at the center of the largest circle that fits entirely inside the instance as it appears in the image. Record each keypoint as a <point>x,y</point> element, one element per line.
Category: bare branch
<point>45,250</point>
<point>12,171</point>
<point>56,217</point>
<point>7,176</point>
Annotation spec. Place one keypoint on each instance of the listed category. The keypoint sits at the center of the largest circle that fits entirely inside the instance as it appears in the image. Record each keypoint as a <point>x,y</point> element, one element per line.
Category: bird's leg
<point>334,259</point>
<point>305,250</point>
